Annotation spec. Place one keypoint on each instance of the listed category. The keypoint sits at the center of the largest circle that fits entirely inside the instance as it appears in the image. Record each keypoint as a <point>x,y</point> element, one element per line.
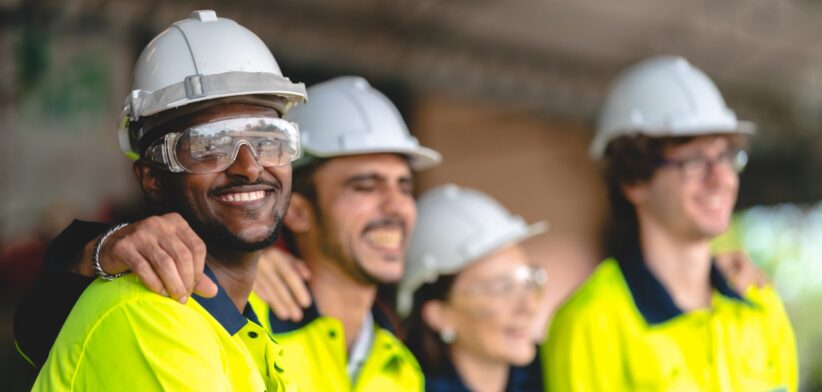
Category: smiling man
<point>351,215</point>
<point>658,314</point>
<point>204,118</point>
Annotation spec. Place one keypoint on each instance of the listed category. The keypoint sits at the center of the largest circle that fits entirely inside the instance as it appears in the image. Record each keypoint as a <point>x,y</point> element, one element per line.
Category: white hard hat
<point>664,96</point>
<point>202,58</point>
<point>455,227</point>
<point>346,116</point>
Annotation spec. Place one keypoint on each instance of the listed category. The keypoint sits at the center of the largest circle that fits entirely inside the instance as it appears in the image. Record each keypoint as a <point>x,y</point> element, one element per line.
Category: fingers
<point>287,300</point>
<point>165,267</point>
<point>272,289</point>
<point>205,287</point>
<point>302,269</point>
<point>164,252</point>
<point>197,247</point>
<point>741,271</point>
<point>141,267</point>
<point>294,272</point>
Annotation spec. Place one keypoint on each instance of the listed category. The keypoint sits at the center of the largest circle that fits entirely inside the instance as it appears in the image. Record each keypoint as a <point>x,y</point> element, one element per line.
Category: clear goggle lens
<point>212,147</point>
<point>523,279</point>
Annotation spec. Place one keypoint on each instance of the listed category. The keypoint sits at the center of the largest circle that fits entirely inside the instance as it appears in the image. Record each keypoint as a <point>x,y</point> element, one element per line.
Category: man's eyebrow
<point>363,177</point>
<point>374,177</point>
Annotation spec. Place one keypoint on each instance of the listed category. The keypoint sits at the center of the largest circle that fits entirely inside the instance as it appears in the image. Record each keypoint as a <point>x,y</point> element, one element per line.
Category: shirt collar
<point>223,310</point>
<point>361,347</point>
<point>652,300</point>
<point>312,313</point>
<point>520,378</point>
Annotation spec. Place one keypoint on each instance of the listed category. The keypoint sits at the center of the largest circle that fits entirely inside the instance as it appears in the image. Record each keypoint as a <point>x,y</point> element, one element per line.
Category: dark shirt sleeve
<point>46,305</point>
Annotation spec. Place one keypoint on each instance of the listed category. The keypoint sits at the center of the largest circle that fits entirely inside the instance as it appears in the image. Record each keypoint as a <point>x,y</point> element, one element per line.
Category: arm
<point>281,283</point>
<point>162,251</point>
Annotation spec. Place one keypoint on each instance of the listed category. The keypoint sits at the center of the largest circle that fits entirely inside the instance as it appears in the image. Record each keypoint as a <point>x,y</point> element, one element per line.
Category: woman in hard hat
<point>470,294</point>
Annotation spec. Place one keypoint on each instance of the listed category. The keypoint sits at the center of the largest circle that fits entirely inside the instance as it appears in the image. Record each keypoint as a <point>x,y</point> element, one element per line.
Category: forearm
<point>72,248</point>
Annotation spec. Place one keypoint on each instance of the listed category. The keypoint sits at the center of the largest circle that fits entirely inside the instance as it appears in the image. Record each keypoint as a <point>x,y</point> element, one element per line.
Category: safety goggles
<point>520,281</point>
<point>212,147</point>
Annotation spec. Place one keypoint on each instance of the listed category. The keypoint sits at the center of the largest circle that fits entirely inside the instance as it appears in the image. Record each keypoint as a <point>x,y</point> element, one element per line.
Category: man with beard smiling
<point>350,216</point>
<point>351,213</point>
<point>658,314</point>
<point>215,158</point>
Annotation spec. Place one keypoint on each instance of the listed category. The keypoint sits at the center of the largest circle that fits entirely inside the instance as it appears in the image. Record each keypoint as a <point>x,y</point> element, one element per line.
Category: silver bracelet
<point>95,260</point>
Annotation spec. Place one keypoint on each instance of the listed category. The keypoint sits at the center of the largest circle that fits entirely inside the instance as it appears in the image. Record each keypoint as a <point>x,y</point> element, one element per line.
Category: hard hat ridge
<point>202,58</point>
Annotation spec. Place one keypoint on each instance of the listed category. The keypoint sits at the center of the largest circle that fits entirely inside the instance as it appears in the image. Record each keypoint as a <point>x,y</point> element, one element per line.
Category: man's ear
<point>435,314</point>
<point>300,214</point>
<point>149,178</point>
<point>635,193</point>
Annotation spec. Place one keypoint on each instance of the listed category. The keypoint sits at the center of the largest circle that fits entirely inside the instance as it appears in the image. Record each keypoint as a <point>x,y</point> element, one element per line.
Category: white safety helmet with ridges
<point>203,58</point>
<point>660,97</point>
<point>346,116</point>
<point>455,227</point>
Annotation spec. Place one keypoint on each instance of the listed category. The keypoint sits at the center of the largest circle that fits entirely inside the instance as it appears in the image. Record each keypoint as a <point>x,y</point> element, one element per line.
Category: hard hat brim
<point>420,158</point>
<point>600,144</point>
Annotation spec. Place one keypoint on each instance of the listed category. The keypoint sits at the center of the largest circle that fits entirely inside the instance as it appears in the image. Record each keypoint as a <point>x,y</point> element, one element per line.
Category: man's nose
<point>245,165</point>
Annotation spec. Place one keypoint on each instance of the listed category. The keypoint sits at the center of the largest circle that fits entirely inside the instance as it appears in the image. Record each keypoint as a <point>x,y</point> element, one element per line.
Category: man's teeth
<point>385,238</point>
<point>244,196</point>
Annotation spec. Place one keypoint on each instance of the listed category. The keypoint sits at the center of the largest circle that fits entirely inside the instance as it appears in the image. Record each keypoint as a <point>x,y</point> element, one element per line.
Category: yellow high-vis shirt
<point>621,331</point>
<point>316,346</point>
<point>122,337</point>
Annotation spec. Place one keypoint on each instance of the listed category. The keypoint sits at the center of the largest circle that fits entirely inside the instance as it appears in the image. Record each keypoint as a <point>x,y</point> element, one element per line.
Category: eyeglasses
<point>522,280</point>
<point>213,147</point>
<point>700,166</point>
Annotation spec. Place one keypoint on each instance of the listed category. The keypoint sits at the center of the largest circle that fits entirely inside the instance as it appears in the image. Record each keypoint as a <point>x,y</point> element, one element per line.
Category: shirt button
<point>252,334</point>
<point>332,334</point>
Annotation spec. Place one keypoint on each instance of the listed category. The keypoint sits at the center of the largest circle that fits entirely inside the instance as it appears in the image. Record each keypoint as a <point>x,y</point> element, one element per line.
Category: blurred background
<point>506,90</point>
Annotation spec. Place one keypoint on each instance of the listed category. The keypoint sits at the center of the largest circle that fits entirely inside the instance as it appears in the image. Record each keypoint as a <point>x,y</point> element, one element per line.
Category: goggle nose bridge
<point>237,145</point>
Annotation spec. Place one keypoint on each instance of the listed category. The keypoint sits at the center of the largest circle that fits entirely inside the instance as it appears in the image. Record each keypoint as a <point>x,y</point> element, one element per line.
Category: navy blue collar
<point>652,299</point>
<point>520,378</point>
<point>222,308</point>
<point>312,313</point>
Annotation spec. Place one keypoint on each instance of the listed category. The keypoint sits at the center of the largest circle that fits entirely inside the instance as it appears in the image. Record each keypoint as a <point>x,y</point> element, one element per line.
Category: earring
<point>448,335</point>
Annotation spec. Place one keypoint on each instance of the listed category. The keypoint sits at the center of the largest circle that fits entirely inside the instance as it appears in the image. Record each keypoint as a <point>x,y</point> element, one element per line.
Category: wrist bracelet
<point>95,260</point>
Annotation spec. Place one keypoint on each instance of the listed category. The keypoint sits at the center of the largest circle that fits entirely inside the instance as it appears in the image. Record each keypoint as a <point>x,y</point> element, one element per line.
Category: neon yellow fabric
<point>122,337</point>
<point>317,349</point>
<point>599,341</point>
